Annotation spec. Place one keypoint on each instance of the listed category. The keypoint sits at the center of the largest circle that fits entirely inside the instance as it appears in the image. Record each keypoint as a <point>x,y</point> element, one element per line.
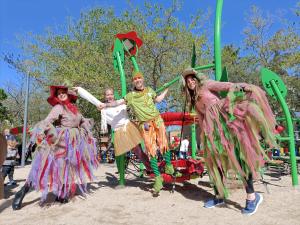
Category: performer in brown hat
<point>231,128</point>
<point>66,151</point>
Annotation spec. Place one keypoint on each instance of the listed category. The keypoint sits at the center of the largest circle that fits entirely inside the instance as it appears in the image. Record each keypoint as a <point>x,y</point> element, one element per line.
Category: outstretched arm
<point>54,114</point>
<point>87,96</point>
<point>111,104</point>
<point>218,86</point>
<point>160,97</point>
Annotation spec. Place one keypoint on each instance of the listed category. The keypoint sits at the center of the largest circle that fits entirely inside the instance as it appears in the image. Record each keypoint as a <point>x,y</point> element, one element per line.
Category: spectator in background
<point>6,133</point>
<point>8,167</point>
<point>184,147</point>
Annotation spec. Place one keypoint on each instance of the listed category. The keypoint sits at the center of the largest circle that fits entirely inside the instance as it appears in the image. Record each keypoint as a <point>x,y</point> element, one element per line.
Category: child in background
<point>8,167</point>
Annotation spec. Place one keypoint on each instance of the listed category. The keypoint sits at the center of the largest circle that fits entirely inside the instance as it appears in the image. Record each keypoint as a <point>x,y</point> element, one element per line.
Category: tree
<point>279,51</point>
<point>15,101</point>
<point>82,56</point>
<point>4,115</point>
<point>238,66</point>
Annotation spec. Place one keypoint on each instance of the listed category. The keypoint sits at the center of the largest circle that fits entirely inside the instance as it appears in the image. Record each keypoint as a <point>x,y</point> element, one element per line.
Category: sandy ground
<point>106,204</point>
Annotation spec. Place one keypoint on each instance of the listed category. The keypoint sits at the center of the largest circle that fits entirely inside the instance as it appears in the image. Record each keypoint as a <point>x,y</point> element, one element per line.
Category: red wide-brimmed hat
<point>52,100</point>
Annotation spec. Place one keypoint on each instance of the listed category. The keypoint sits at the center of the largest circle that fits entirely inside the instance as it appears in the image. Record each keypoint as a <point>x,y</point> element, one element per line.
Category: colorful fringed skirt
<point>154,136</point>
<point>64,160</point>
<point>232,131</point>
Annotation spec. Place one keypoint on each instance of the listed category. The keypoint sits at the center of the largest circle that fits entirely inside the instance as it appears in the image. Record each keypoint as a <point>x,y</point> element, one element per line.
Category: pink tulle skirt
<point>233,131</point>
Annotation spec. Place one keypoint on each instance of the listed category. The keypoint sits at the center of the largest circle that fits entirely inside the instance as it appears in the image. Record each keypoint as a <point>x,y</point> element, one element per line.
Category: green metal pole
<point>217,40</point>
<point>194,141</point>
<point>166,85</point>
<point>122,75</point>
<point>283,138</point>
<point>204,67</point>
<point>293,119</point>
<point>120,160</point>
<point>134,63</point>
<point>290,128</point>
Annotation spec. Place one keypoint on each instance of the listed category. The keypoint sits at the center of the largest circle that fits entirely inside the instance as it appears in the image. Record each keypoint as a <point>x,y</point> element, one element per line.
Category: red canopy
<point>178,118</point>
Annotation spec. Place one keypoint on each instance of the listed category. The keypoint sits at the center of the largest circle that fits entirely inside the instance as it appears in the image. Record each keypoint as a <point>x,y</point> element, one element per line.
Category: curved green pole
<point>134,63</point>
<point>131,57</point>
<point>194,140</point>
<point>204,67</point>
<point>293,119</point>
<point>193,126</point>
<point>122,75</point>
<point>290,128</point>
<point>217,40</point>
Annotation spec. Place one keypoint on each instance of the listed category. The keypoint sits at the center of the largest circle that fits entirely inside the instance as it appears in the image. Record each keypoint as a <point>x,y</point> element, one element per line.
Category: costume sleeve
<point>128,98</point>
<point>217,86</point>
<point>92,99</point>
<point>44,130</point>
<point>54,114</point>
<point>88,96</point>
<point>152,92</point>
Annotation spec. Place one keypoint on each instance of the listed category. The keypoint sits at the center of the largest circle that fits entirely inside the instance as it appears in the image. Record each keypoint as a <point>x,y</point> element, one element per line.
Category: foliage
<point>278,51</point>
<point>4,114</point>
<point>79,54</point>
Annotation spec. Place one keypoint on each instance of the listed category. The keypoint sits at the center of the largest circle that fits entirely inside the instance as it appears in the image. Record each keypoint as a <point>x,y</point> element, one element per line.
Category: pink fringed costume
<point>231,129</point>
<point>66,153</point>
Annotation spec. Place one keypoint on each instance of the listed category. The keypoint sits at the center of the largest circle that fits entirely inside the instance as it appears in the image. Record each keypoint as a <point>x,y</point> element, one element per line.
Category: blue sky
<point>22,16</point>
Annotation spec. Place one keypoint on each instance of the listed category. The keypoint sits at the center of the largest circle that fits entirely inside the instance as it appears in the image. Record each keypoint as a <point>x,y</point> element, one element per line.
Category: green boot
<point>169,169</point>
<point>158,184</point>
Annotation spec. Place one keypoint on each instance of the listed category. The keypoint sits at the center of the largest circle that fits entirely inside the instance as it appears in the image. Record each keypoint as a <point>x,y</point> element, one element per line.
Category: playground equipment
<point>183,119</point>
<point>129,43</point>
<point>275,87</point>
<point>189,168</point>
<point>124,44</point>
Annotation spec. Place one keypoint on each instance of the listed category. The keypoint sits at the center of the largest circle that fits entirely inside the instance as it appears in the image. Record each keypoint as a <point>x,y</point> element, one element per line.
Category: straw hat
<point>189,71</point>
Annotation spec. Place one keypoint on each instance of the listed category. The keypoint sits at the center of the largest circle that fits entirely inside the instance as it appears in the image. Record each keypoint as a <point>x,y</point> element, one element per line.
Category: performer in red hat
<point>66,150</point>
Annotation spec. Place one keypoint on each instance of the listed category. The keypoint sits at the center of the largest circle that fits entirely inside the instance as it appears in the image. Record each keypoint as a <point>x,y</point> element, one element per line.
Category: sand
<point>134,204</point>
